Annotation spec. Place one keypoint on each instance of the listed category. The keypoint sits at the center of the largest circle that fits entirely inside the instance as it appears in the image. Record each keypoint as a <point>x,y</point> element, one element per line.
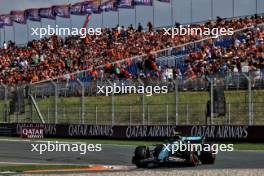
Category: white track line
<point>7,172</point>
<point>15,140</point>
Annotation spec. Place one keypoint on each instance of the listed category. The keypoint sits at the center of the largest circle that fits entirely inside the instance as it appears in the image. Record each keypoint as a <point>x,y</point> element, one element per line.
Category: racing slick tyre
<point>207,157</point>
<point>141,152</point>
<point>194,160</point>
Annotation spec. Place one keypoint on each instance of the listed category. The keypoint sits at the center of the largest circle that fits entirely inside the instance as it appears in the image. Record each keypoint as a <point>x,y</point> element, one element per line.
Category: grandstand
<point>35,68</point>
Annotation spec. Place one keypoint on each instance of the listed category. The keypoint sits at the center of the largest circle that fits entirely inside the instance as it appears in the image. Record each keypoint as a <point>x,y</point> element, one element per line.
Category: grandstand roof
<point>8,5</point>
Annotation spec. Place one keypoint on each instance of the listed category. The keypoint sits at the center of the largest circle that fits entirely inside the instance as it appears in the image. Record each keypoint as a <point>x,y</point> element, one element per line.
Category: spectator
<point>140,28</point>
<point>5,45</point>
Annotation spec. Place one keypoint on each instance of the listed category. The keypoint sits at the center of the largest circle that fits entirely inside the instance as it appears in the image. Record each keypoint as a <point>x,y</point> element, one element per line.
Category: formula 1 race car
<point>194,151</point>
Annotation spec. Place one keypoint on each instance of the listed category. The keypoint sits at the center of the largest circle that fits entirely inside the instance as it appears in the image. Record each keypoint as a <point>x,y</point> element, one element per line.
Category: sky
<point>163,14</point>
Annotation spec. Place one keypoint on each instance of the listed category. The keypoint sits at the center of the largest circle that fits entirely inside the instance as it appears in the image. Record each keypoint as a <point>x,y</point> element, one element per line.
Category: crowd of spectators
<point>244,55</point>
<point>55,56</point>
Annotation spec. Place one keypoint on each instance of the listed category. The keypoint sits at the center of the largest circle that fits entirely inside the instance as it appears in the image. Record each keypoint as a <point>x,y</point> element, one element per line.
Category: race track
<point>20,152</point>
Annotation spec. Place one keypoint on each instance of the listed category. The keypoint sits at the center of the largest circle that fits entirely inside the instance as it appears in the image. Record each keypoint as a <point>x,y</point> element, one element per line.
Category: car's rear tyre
<point>141,152</point>
<point>207,157</point>
<point>194,159</point>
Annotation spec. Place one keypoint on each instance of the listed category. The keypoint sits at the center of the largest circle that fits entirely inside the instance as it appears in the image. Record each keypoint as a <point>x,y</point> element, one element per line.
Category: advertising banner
<point>32,132</point>
<point>236,133</point>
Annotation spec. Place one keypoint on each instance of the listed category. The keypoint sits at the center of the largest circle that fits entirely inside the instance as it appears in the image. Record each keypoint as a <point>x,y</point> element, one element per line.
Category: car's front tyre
<point>141,152</point>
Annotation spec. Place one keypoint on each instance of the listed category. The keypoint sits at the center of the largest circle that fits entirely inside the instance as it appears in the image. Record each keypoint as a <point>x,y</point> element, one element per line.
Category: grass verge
<point>249,146</point>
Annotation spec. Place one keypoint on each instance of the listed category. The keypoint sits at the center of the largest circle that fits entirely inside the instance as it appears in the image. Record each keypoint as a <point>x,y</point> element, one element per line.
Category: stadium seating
<point>99,57</point>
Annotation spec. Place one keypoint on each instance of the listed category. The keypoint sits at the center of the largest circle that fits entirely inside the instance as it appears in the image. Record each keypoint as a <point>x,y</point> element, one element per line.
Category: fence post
<point>176,102</point>
<point>48,115</point>
<point>229,113</point>
<point>226,114</point>
<point>170,52</point>
<point>238,82</point>
<point>5,115</point>
<point>148,114</point>
<point>167,114</point>
<point>211,81</point>
<point>212,101</point>
<point>143,103</point>
<point>249,99</point>
<point>112,103</point>
<point>55,101</point>
<point>30,101</point>
<point>187,113</point>
<point>130,115</point>
<point>96,115</point>
<point>252,113</point>
<point>82,100</point>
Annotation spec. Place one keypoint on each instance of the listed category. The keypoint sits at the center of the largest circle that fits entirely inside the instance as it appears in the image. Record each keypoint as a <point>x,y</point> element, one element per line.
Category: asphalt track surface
<point>20,152</point>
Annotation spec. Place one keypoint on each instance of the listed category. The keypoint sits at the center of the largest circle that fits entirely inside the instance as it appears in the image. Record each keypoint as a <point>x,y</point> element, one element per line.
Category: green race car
<point>179,150</point>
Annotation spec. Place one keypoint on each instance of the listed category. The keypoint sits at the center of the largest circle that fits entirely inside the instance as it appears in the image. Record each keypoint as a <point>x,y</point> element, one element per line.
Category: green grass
<point>22,168</point>
<point>249,146</point>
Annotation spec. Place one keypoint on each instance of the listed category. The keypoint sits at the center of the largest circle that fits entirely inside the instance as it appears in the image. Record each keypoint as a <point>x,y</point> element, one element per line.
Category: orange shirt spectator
<point>35,78</point>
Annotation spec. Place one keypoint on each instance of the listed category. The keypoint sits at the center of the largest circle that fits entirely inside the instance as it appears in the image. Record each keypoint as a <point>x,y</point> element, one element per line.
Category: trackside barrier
<point>235,133</point>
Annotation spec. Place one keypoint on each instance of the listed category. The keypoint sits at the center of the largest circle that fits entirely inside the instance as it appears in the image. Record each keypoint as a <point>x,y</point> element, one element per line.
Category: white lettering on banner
<point>32,132</point>
<point>152,131</point>
<point>137,131</point>
<point>236,132</point>
<point>90,130</point>
<point>49,129</point>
